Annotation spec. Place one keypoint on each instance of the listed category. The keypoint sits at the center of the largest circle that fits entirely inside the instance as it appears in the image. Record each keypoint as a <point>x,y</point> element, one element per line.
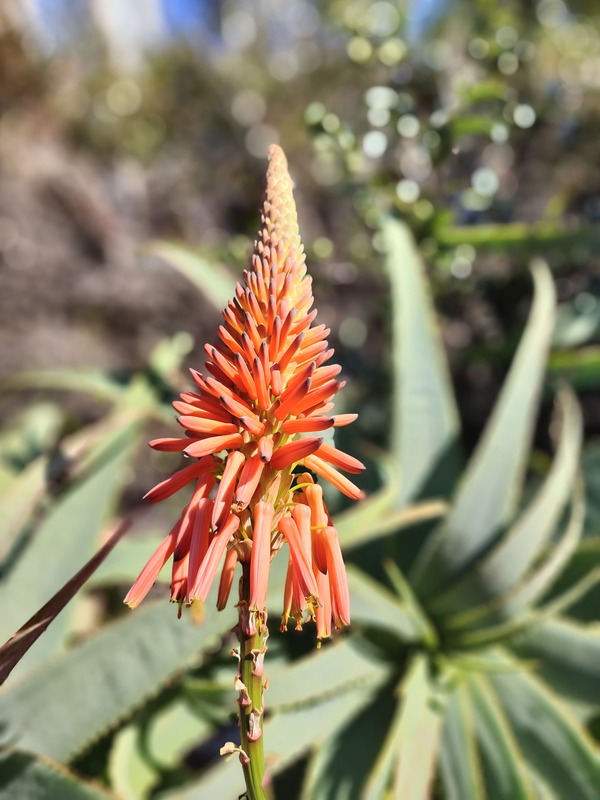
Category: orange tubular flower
<point>252,427</point>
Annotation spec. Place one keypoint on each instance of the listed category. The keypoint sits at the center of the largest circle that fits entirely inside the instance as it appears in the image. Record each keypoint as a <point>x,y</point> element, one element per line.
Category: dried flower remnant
<point>254,417</point>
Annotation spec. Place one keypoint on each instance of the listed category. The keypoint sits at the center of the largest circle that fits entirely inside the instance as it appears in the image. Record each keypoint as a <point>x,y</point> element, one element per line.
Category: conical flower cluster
<point>251,431</point>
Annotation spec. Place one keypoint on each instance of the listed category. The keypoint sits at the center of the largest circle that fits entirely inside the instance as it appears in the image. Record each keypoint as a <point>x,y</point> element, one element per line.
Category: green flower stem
<point>252,652</point>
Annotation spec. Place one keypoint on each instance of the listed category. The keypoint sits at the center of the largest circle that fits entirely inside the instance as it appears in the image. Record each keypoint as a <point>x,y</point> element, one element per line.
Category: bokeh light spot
<point>408,190</point>
<point>408,126</point>
<point>248,107</point>
<point>124,97</point>
<point>374,144</point>
<point>359,49</point>
<point>485,181</point>
<point>381,19</point>
<point>352,332</point>
<point>524,116</point>
<point>258,139</point>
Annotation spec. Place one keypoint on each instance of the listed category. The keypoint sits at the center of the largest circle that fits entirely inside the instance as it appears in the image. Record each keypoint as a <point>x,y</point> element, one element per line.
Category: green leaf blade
<point>508,562</point>
<point>104,679</point>
<point>487,496</point>
<point>425,420</point>
<point>550,738</point>
<point>502,762</point>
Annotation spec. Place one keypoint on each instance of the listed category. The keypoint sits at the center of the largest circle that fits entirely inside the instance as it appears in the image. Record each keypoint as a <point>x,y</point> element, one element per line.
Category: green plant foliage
<point>103,680</point>
<point>474,675</point>
<point>27,776</point>
<point>425,432</point>
<point>471,670</point>
<point>71,529</point>
<point>17,646</point>
<point>486,499</point>
<point>211,279</point>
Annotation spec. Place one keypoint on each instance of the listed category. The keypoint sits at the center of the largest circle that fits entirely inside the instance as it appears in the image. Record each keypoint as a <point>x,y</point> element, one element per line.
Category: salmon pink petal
<point>208,568</point>
<point>237,408</point>
<point>290,352</point>
<point>319,552</point>
<point>339,459</point>
<point>222,507</point>
<point>248,482</point>
<point>253,425</point>
<point>261,555</point>
<point>323,611</point>
<point>200,536</point>
<point>301,516</point>
<point>306,424</point>
<point>178,480</point>
<point>287,596</point>
<point>276,384</point>
<point>262,391</point>
<point>147,577</point>
<point>213,444</point>
<point>184,536</point>
<point>170,445</point>
<point>220,390</point>
<point>315,398</point>
<point>343,419</point>
<point>265,448</point>
<point>300,556</point>
<point>244,375</point>
<point>336,571</point>
<point>334,477</point>
<point>291,452</point>
<point>290,405</point>
<point>179,581</point>
<point>201,425</point>
<point>227,575</point>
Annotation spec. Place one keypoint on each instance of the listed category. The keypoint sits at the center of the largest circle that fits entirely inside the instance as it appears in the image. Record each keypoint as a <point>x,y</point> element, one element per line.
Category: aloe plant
<point>472,666</point>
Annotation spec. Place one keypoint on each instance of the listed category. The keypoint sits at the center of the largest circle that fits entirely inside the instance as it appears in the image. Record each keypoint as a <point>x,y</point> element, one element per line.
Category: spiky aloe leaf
<point>515,610</point>
<point>460,766</point>
<point>92,382</point>
<point>549,736</point>
<point>27,496</point>
<point>27,776</point>
<point>288,736</point>
<point>66,539</point>
<point>375,606</point>
<point>359,523</point>
<point>418,735</point>
<point>340,766</point>
<point>103,680</point>
<point>356,532</point>
<point>130,773</point>
<point>175,730</point>
<point>580,574</point>
<point>15,648</point>
<point>507,564</point>
<point>488,493</point>
<point>211,279</point>
<point>566,655</point>
<point>504,767</point>
<point>425,426</point>
<point>340,667</point>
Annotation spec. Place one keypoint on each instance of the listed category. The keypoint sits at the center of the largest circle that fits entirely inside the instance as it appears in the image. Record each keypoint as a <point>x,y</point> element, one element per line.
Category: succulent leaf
<point>486,499</point>
<point>425,425</point>
<point>549,735</point>
<point>503,764</point>
<point>460,766</point>
<point>508,563</point>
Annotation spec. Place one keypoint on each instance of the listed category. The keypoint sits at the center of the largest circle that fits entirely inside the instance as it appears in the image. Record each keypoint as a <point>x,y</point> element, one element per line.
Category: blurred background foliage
<point>132,145</point>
